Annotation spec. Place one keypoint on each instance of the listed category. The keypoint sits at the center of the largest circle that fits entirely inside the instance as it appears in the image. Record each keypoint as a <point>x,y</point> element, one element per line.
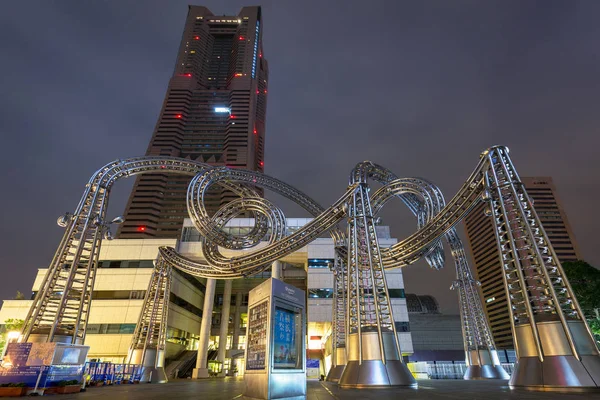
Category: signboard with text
<point>285,346</point>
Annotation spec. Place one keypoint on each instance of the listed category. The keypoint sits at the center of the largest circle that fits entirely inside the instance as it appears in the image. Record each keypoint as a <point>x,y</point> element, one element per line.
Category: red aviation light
<point>261,163</point>
<point>241,38</point>
<point>179,116</point>
<point>265,91</point>
<point>232,116</point>
<point>196,37</point>
<point>141,228</point>
<point>260,55</point>
<point>255,132</point>
<point>188,75</point>
<point>257,91</point>
<point>163,166</point>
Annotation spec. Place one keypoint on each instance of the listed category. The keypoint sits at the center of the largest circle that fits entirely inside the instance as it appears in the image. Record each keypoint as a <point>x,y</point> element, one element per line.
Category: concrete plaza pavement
<point>231,388</point>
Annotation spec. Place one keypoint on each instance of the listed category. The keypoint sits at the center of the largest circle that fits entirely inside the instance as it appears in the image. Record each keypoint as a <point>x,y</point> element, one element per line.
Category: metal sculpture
<point>149,338</point>
<point>548,325</point>
<point>374,357</point>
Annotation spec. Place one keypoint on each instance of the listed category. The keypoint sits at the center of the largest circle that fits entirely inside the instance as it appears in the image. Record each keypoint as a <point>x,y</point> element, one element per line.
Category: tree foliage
<point>11,324</point>
<point>585,281</point>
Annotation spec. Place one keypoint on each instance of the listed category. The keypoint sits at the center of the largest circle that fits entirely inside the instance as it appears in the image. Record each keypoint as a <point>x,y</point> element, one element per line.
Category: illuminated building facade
<point>485,257</point>
<point>214,112</point>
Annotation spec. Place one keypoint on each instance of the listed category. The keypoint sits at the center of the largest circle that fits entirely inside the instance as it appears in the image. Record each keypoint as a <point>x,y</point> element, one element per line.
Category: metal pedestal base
<point>557,373</point>
<point>475,372</point>
<point>484,364</point>
<point>335,373</point>
<point>154,375</point>
<point>374,373</point>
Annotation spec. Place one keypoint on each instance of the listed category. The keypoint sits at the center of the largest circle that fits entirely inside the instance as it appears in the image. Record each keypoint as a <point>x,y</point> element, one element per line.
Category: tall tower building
<point>485,256</point>
<point>214,112</point>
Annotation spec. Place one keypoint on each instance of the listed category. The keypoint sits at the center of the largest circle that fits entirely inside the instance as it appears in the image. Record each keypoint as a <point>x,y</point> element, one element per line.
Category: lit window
<point>490,299</point>
<point>320,293</point>
<point>192,51</point>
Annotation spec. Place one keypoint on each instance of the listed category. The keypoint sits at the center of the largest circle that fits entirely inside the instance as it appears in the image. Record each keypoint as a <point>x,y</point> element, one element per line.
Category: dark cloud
<point>420,87</point>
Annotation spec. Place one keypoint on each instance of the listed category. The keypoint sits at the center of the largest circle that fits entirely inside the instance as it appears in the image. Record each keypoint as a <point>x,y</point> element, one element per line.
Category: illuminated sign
<point>222,110</point>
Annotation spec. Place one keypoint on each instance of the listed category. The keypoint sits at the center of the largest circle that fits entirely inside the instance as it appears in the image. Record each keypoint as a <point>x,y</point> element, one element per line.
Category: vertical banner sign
<point>286,354</point>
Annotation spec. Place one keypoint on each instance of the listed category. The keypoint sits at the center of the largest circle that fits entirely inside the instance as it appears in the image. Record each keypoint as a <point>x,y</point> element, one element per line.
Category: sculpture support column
<point>555,347</point>
<point>201,370</point>
<point>338,323</point>
<point>224,325</point>
<point>276,270</point>
<point>374,358</point>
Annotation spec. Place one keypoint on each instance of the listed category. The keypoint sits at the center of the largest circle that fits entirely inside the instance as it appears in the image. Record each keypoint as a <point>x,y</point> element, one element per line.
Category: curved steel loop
<point>477,333</point>
<point>418,244</point>
<point>275,218</point>
<point>193,267</point>
<point>248,261</point>
<point>223,176</point>
<point>368,170</point>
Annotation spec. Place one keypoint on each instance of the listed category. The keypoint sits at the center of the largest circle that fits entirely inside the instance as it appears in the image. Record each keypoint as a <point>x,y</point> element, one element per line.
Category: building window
<point>320,262</point>
<point>320,293</point>
<point>114,329</point>
<point>402,326</point>
<point>396,293</point>
<point>190,234</point>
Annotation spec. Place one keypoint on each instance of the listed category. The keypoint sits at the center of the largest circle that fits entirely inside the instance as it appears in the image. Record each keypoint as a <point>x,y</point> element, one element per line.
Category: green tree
<point>585,281</point>
<point>11,324</point>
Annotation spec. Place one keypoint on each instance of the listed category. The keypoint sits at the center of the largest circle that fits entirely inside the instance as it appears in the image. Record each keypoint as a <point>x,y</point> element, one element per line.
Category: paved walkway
<point>231,388</point>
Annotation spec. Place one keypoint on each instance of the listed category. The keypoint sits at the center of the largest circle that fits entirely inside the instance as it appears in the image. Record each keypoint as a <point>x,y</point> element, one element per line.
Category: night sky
<point>419,87</point>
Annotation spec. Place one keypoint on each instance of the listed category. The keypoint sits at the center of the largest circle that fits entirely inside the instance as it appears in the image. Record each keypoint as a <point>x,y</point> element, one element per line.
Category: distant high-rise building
<point>214,112</point>
<point>485,255</point>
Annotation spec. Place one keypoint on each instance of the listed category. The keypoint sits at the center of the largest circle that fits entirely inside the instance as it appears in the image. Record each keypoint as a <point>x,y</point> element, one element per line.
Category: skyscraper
<point>214,112</point>
<point>485,256</point>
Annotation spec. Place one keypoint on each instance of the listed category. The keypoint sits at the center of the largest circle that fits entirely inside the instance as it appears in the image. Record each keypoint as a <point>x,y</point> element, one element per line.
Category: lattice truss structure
<point>537,287</point>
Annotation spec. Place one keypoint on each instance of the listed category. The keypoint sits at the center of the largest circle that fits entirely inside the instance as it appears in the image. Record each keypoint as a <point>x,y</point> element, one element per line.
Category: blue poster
<point>285,351</point>
<point>310,363</point>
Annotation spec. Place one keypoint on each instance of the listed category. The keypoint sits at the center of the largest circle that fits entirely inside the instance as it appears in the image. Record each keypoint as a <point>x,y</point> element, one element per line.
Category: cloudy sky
<point>421,87</point>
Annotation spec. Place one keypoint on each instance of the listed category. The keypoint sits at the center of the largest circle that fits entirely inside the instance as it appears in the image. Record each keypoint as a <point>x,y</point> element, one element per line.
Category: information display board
<point>257,336</point>
<point>275,347</point>
<point>286,336</point>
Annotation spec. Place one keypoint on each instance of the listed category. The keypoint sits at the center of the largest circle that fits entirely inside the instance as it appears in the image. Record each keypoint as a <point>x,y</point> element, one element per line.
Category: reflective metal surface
<point>484,364</point>
<point>535,283</point>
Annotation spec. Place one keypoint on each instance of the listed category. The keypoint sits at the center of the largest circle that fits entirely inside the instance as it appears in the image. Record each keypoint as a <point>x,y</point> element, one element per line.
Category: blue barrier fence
<point>112,373</point>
